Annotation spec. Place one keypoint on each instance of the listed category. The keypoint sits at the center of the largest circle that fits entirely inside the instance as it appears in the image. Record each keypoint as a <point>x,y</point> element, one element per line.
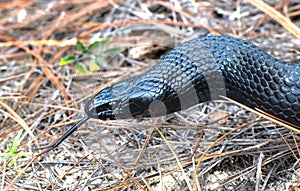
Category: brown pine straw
<point>277,16</point>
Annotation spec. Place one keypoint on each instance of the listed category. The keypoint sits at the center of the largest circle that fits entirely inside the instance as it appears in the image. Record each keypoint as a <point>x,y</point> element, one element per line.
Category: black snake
<point>200,70</point>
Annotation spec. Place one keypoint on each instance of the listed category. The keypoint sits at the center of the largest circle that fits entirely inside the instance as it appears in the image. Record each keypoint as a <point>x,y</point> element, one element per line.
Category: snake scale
<point>200,70</point>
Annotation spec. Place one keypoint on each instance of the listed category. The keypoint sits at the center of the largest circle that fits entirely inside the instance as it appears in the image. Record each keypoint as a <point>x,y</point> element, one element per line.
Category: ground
<point>40,99</point>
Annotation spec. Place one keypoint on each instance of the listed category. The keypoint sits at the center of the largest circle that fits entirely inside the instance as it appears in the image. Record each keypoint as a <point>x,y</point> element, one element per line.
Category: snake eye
<point>107,110</point>
<point>111,105</point>
<point>104,107</point>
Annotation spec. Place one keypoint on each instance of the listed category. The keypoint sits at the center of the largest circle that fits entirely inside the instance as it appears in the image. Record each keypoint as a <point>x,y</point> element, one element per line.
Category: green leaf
<point>80,46</point>
<point>101,60</point>
<point>67,60</point>
<point>11,163</point>
<point>80,68</point>
<point>94,66</point>
<point>96,52</point>
<point>98,45</point>
<point>93,47</point>
<point>12,152</point>
<point>16,142</point>
<point>112,51</point>
<point>2,158</point>
<point>104,42</point>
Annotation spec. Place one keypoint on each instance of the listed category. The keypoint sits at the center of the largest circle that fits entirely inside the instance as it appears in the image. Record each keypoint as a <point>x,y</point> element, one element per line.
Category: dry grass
<point>182,151</point>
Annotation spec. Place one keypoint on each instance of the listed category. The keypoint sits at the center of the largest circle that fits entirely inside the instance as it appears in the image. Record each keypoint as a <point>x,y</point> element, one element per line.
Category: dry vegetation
<point>42,98</point>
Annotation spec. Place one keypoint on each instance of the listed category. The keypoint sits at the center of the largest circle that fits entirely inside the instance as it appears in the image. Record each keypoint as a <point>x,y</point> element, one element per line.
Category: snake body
<point>200,70</point>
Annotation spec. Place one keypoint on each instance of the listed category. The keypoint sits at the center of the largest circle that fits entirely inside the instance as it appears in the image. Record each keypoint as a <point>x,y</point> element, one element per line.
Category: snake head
<point>101,105</point>
<point>133,98</point>
<point>127,99</point>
